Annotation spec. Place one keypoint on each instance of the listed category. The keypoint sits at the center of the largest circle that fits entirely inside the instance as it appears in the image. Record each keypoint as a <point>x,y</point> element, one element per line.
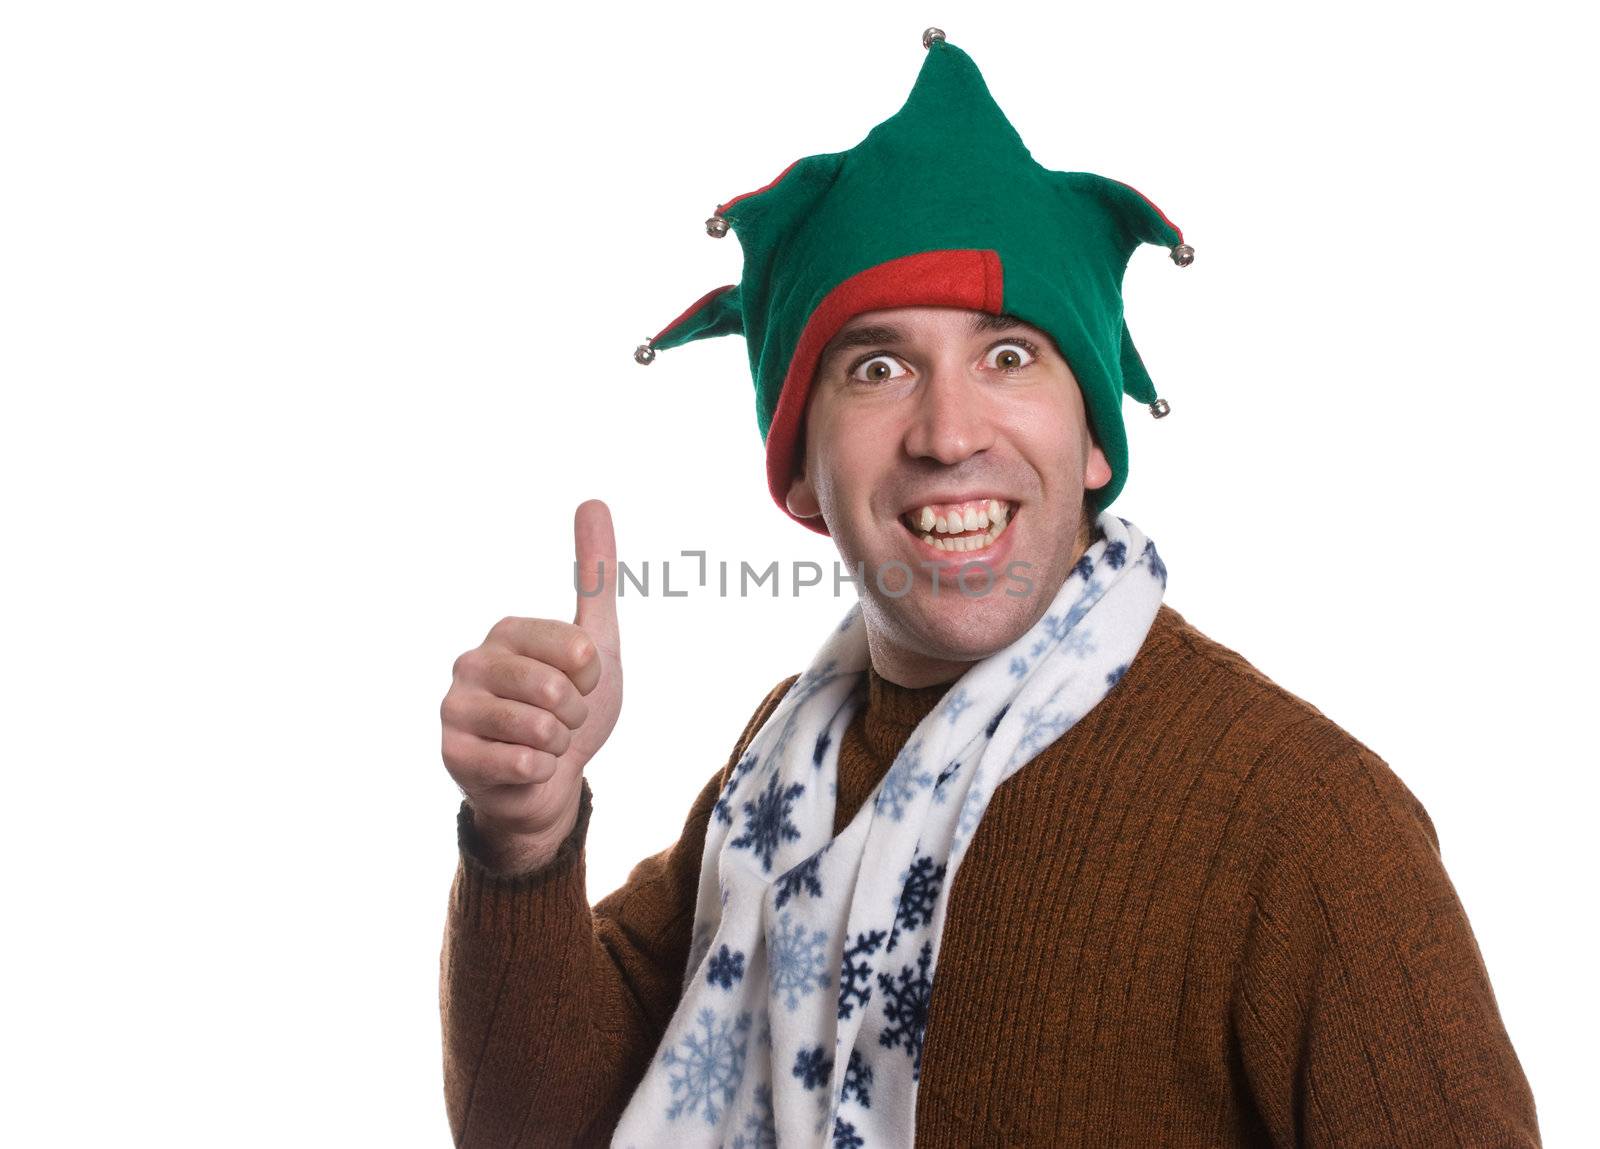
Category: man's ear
<point>802,497</point>
<point>1096,469</point>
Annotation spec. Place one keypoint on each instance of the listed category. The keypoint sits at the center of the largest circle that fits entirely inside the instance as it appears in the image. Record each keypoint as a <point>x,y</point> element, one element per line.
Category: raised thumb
<point>595,572</point>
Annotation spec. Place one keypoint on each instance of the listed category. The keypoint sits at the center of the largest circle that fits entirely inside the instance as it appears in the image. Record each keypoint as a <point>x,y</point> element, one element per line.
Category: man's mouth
<point>965,526</point>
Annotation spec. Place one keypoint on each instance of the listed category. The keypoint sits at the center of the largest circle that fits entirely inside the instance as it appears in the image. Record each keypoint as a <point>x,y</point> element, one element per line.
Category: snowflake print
<point>824,740</point>
<point>812,1067</point>
<point>709,1066</point>
<point>851,972</point>
<point>1116,554</point>
<point>801,879</point>
<point>1019,666</point>
<point>1115,675</point>
<point>1079,642</point>
<point>905,1007</point>
<point>1038,730</point>
<point>768,825</point>
<point>956,703</point>
<point>971,812</point>
<point>857,1080</point>
<point>900,784</point>
<point>761,1126</point>
<point>918,893</point>
<point>845,1135</point>
<point>939,792</point>
<point>721,809</point>
<point>995,721</point>
<point>798,960</point>
<point>726,968</point>
<point>1157,568</point>
<point>1084,566</point>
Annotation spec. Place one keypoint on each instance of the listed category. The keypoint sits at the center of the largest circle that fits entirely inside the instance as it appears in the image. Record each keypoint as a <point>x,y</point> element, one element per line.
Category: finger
<point>564,645</point>
<point>506,720</point>
<point>596,571</point>
<point>537,683</point>
<point>480,763</point>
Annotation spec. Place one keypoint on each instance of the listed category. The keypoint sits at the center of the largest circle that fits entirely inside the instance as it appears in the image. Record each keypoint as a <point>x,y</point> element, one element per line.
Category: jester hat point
<point>982,226</point>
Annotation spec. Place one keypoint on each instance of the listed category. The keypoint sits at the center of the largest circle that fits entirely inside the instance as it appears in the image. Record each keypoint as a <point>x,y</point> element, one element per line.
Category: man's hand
<point>530,706</point>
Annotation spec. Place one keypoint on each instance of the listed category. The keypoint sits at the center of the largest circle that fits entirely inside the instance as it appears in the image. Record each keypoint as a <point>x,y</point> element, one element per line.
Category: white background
<point>316,323</point>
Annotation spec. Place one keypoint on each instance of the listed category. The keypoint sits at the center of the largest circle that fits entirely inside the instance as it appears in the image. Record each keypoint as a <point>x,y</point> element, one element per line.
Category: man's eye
<point>1012,355</point>
<point>878,369</point>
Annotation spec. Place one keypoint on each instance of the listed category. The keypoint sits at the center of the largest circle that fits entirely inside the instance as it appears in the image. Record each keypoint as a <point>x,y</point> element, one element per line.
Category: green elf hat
<point>940,205</point>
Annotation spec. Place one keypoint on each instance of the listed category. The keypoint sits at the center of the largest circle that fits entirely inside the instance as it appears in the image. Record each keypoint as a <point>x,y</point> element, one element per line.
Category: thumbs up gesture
<point>529,707</point>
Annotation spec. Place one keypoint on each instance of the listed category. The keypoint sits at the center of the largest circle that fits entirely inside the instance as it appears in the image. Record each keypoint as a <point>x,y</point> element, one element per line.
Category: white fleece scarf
<point>806,996</point>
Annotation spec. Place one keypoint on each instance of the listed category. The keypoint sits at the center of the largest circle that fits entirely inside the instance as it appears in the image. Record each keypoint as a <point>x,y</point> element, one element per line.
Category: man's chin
<point>955,626</point>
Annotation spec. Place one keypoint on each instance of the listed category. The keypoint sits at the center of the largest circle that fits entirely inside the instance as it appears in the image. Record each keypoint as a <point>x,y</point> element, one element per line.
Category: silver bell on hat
<point>929,35</point>
<point>1159,408</point>
<point>1183,255</point>
<point>644,354</point>
<point>716,226</point>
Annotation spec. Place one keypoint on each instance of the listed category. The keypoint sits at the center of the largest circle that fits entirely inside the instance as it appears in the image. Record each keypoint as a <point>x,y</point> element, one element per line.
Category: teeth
<point>991,518</point>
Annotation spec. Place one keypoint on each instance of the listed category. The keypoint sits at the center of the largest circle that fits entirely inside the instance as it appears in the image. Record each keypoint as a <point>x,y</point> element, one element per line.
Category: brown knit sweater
<point>1205,916</point>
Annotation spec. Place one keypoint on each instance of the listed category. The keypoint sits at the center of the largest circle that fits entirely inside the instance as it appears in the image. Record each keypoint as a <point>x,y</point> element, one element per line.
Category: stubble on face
<point>1030,439</point>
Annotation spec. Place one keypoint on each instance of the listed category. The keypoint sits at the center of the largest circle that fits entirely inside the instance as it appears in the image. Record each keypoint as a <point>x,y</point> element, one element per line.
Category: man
<point>1040,864</point>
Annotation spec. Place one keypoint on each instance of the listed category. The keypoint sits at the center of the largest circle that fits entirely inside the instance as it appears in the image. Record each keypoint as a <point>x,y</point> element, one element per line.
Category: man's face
<point>954,411</point>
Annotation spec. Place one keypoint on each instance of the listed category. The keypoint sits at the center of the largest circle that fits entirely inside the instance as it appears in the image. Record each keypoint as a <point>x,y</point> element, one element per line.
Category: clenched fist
<point>530,706</point>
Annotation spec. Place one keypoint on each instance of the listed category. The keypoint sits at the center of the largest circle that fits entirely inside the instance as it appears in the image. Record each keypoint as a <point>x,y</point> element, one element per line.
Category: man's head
<point>947,409</point>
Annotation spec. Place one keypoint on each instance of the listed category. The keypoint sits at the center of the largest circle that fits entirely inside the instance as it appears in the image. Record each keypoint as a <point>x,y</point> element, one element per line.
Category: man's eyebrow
<point>879,334</point>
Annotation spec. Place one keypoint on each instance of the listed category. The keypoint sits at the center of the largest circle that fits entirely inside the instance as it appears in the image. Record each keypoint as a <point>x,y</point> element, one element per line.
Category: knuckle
<point>582,651</point>
<point>549,692</point>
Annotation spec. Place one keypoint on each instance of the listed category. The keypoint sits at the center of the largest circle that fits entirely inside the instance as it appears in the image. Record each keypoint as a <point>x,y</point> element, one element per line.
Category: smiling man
<point>956,443</point>
<point>1020,857</point>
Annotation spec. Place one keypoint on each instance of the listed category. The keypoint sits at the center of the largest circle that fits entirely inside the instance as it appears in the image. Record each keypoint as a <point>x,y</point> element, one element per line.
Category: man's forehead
<point>874,328</point>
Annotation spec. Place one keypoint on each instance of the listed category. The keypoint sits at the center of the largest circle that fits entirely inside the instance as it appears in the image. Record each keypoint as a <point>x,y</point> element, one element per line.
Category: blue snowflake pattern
<point>1019,666</point>
<point>1115,676</point>
<point>1084,567</point>
<point>900,784</point>
<point>762,1125</point>
<point>845,1135</point>
<point>995,721</point>
<point>709,1067</point>
<point>824,740</point>
<point>857,1080</point>
<point>1116,554</point>
<point>918,893</point>
<point>722,811</point>
<point>813,1067</point>
<point>1079,642</point>
<point>726,967</point>
<point>802,879</point>
<point>852,972</point>
<point>1039,729</point>
<point>768,825</point>
<point>798,961</point>
<point>972,807</point>
<point>905,1007</point>
<point>949,772</point>
<point>956,703</point>
<point>1157,568</point>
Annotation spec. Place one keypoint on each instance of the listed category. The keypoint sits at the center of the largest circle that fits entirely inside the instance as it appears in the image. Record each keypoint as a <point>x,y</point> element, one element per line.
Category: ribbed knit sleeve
<point>551,1009</point>
<point>1363,1011</point>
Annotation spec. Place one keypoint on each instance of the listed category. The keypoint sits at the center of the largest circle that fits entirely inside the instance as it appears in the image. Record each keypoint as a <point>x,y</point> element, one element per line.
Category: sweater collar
<point>893,711</point>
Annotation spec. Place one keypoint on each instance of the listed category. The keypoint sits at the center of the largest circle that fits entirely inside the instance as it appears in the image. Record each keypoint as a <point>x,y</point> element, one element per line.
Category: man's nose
<point>949,421</point>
